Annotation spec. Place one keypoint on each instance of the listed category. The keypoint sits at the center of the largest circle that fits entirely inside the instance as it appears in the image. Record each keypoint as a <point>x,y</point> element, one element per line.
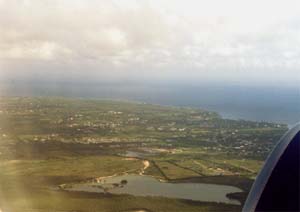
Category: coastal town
<point>56,143</point>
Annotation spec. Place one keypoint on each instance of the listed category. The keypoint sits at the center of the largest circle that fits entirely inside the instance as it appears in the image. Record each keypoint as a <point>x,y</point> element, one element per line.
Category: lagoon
<point>141,185</point>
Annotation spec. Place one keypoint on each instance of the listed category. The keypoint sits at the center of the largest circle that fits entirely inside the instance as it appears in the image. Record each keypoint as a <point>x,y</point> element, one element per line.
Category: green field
<point>48,142</point>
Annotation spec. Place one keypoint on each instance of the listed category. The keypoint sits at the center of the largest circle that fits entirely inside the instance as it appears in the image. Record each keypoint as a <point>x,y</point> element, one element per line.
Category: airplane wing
<point>277,187</point>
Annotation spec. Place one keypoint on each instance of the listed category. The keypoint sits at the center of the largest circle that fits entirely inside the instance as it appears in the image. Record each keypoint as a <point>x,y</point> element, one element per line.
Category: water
<point>135,154</point>
<point>140,185</point>
<point>272,104</point>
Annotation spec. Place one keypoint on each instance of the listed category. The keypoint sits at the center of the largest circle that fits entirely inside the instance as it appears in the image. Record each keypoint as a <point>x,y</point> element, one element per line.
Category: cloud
<point>193,38</point>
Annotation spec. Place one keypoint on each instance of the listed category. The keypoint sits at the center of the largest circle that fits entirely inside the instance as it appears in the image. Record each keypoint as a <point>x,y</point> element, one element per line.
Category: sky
<point>253,42</point>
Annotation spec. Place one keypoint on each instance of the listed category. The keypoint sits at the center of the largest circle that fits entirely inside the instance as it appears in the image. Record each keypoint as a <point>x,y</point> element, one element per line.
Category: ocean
<point>257,103</point>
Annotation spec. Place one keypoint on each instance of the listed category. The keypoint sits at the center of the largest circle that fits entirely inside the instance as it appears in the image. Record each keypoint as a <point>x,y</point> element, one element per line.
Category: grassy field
<point>47,142</point>
<point>32,185</point>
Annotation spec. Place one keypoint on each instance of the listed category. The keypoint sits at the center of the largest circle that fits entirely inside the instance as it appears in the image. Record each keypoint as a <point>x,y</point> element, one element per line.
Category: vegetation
<point>47,144</point>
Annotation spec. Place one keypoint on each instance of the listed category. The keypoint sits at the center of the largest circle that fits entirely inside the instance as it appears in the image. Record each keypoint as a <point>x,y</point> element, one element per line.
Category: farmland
<point>49,142</point>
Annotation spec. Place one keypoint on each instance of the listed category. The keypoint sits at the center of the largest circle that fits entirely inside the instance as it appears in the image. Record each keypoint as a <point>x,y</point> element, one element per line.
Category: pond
<point>141,185</point>
<point>135,154</point>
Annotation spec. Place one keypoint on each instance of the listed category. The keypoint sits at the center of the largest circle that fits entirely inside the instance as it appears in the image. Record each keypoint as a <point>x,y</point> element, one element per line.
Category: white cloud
<point>178,38</point>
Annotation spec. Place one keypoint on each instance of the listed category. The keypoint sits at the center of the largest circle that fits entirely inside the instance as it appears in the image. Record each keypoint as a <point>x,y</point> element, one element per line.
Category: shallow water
<point>135,154</point>
<point>148,186</point>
